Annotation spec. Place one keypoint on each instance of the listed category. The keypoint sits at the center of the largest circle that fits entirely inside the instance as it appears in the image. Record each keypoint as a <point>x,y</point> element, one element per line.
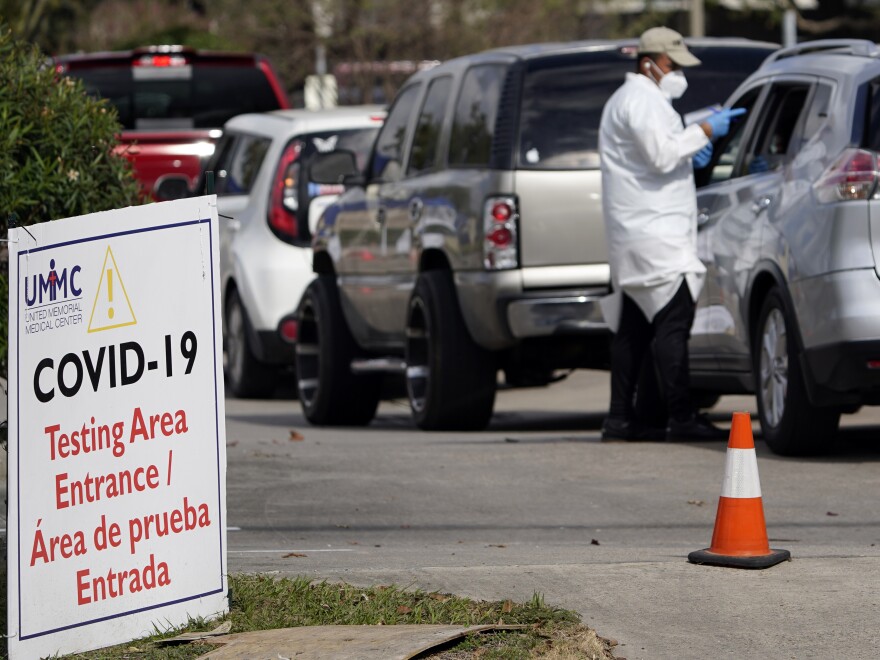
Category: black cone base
<point>761,561</point>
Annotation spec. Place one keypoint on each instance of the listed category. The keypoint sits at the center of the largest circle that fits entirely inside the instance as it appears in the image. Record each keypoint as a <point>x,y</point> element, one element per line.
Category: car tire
<point>246,376</point>
<point>450,380</point>
<point>330,394</point>
<point>790,424</point>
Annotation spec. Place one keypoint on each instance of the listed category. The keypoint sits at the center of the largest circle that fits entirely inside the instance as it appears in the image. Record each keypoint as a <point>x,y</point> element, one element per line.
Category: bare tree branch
<point>823,26</point>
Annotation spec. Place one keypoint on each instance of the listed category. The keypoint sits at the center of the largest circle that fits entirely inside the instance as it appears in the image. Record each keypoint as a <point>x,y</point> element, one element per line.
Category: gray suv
<point>474,241</point>
<point>790,233</point>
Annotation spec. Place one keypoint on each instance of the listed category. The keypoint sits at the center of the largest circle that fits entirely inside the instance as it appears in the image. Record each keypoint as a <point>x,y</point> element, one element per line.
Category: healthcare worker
<point>649,203</point>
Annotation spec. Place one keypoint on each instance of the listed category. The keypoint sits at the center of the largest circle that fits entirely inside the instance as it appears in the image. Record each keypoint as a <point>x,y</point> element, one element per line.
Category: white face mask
<point>672,84</point>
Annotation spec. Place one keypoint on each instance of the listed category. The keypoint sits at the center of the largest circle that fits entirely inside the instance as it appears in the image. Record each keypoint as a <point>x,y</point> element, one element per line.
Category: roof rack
<point>859,47</point>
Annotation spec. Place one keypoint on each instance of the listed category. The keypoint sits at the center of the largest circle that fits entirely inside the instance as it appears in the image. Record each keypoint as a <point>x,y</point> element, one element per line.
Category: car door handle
<point>416,207</point>
<point>760,205</point>
<point>380,215</point>
<point>702,217</point>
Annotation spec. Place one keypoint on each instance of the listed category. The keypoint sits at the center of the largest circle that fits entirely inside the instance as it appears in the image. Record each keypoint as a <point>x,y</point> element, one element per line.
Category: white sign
<point>117,444</point>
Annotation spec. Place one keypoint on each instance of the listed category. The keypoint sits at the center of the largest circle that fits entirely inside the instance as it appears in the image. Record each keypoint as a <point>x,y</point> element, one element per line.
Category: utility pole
<point>698,19</point>
<point>320,83</point>
<point>789,28</point>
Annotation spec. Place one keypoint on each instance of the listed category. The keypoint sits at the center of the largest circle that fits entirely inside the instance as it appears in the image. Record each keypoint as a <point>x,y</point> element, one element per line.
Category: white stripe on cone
<point>741,474</point>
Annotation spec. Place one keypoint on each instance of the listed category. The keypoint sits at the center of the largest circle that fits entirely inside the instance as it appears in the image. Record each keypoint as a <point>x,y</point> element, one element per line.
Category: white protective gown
<point>648,198</point>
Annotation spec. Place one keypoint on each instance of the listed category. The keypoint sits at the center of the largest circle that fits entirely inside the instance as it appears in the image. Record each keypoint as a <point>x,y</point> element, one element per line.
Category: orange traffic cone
<point>740,536</point>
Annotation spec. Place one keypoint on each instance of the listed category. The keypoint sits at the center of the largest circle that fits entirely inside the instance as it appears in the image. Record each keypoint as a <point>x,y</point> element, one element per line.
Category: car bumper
<point>503,308</point>
<point>543,316</point>
<point>845,373</point>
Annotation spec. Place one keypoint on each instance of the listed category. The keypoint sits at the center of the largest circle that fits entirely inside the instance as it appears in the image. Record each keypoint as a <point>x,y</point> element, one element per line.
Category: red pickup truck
<point>172,103</point>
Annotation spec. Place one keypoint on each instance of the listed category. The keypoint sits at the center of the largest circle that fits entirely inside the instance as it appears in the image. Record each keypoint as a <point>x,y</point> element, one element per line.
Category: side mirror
<point>171,186</point>
<point>333,167</point>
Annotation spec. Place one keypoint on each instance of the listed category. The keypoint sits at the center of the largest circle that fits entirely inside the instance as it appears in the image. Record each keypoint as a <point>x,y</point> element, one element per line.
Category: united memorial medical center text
<point>75,491</point>
<point>53,316</point>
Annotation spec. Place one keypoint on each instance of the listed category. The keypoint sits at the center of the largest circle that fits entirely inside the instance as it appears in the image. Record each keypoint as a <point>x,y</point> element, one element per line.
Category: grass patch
<point>261,602</point>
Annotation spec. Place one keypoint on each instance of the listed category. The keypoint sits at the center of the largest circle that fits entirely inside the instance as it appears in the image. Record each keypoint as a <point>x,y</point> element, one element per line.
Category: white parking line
<point>272,552</point>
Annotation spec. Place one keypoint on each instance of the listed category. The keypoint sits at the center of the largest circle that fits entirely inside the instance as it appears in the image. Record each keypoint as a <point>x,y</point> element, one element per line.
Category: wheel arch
<point>322,263</point>
<point>805,424</point>
<point>232,289</point>
<point>434,259</point>
<point>229,287</point>
<point>767,276</point>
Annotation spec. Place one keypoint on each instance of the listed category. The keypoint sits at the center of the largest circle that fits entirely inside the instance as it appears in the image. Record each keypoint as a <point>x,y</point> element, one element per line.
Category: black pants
<point>669,331</point>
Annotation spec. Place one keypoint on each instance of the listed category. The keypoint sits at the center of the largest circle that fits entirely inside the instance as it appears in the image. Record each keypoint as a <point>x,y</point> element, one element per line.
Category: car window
<point>778,122</point>
<point>720,72</point>
<point>475,112</point>
<point>239,163</point>
<point>871,138</point>
<point>727,148</point>
<point>563,99</point>
<point>429,127</point>
<point>357,140</point>
<point>388,153</point>
<point>196,96</point>
<point>561,109</point>
<point>818,112</point>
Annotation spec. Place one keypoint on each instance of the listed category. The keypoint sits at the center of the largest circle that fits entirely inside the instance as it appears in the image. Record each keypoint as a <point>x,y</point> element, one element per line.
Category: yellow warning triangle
<point>112,308</point>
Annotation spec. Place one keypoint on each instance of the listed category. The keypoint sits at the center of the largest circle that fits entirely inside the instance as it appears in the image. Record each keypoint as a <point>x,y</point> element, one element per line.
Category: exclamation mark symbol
<point>110,291</point>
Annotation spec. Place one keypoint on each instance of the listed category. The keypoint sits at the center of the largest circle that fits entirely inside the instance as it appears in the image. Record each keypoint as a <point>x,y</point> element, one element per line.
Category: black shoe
<point>617,428</point>
<point>696,427</point>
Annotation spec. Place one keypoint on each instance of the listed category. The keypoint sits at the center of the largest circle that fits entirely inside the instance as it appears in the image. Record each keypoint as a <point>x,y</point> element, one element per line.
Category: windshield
<point>192,96</point>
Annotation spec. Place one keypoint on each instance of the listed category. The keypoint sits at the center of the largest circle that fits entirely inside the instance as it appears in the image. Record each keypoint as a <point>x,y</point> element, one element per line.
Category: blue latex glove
<point>720,121</point>
<point>702,157</point>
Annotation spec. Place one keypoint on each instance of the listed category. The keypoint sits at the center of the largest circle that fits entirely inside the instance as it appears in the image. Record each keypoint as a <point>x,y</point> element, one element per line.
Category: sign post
<point>117,449</point>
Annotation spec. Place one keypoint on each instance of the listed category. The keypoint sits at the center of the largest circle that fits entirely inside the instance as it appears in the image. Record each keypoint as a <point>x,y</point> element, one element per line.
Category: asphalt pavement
<point>537,503</point>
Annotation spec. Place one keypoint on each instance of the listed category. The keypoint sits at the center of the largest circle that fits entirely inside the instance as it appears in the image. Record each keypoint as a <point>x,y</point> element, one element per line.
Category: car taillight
<point>500,217</point>
<point>284,201</point>
<point>852,176</point>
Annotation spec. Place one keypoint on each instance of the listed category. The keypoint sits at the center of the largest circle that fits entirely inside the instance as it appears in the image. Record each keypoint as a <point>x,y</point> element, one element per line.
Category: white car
<point>268,210</point>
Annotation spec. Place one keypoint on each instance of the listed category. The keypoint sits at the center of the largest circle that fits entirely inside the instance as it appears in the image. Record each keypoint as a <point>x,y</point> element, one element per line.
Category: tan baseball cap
<point>663,40</point>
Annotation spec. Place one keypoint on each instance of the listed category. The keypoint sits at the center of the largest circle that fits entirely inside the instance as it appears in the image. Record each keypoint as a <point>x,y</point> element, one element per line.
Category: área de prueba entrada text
<point>92,438</point>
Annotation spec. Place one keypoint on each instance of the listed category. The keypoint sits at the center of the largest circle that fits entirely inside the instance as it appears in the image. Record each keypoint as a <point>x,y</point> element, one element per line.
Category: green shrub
<point>56,151</point>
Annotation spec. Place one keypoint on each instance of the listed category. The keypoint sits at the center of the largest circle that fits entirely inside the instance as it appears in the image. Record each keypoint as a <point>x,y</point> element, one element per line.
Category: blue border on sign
<point>220,527</point>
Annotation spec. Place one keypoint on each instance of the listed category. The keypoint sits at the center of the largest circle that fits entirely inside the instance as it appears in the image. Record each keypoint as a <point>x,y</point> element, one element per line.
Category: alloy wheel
<point>308,359</point>
<point>773,384</point>
<point>235,341</point>
<point>418,370</point>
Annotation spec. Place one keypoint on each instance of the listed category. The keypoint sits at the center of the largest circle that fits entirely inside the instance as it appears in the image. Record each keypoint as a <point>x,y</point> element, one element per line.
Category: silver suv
<point>790,233</point>
<point>474,241</point>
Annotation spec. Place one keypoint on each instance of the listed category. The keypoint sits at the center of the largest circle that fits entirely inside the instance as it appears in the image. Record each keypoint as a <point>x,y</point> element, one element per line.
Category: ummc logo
<point>52,287</point>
